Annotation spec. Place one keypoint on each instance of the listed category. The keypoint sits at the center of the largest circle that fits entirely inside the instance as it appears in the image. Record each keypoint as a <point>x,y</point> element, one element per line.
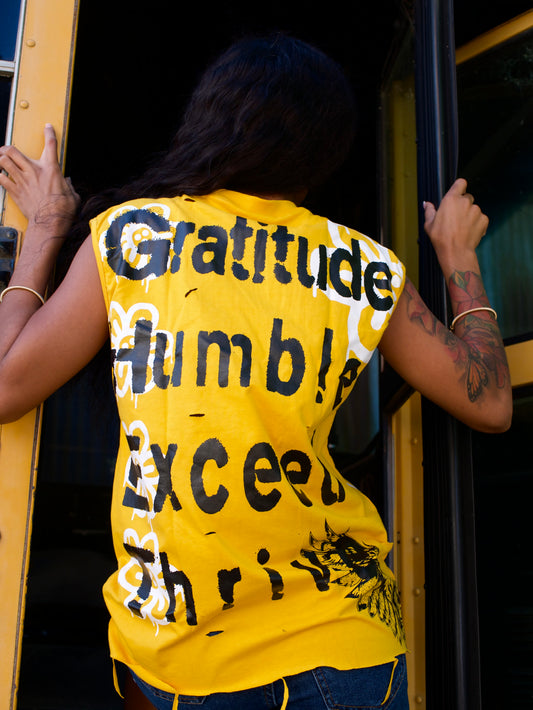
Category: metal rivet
<point>416,540</point>
<point>417,591</point>
<point>24,104</point>
<point>414,441</point>
<point>419,700</point>
<point>30,43</point>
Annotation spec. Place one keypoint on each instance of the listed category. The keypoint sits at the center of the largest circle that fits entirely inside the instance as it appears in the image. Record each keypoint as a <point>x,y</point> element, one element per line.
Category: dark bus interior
<point>135,66</point>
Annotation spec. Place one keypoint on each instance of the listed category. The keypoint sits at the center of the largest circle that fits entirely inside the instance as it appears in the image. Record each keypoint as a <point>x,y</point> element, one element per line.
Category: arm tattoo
<point>478,353</point>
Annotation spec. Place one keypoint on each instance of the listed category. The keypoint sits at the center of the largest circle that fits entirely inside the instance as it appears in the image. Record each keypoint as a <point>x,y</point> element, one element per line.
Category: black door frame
<point>452,634</point>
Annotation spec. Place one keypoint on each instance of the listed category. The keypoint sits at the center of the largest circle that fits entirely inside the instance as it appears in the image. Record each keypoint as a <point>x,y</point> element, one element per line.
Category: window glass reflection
<point>9,19</point>
<point>495,92</point>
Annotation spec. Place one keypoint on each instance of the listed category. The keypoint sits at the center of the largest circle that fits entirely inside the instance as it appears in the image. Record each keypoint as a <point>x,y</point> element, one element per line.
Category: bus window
<point>495,99</point>
<point>9,23</point>
<point>9,29</point>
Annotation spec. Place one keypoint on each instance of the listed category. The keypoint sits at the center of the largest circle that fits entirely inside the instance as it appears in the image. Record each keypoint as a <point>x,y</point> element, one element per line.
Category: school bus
<point>443,91</point>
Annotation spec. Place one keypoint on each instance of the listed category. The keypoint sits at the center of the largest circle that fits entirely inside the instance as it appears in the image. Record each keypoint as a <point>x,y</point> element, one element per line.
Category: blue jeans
<point>320,689</point>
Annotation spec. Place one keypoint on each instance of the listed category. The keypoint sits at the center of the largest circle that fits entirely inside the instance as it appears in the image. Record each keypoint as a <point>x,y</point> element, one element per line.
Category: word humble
<point>147,340</point>
<point>161,251</point>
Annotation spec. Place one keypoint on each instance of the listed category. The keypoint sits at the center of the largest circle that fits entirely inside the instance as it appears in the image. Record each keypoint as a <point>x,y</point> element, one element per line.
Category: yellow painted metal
<point>409,532</point>
<point>496,36</point>
<point>403,174</point>
<point>399,164</point>
<point>42,96</point>
<point>520,357</point>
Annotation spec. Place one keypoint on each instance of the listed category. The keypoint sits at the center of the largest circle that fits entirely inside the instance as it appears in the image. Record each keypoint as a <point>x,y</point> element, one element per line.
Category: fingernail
<point>424,205</point>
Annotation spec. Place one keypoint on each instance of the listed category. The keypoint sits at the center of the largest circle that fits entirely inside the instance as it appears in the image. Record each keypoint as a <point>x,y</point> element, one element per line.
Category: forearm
<point>57,341</point>
<point>446,368</point>
<point>33,270</point>
<point>462,274</point>
<point>456,230</point>
<point>465,372</point>
<point>38,255</point>
<point>483,355</point>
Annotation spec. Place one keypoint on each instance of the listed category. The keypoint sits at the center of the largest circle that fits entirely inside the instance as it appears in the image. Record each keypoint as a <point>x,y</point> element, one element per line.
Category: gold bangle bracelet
<point>21,288</point>
<point>473,310</point>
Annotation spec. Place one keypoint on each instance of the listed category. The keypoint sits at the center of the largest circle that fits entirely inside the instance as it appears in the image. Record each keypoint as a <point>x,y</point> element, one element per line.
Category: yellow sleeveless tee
<point>238,326</point>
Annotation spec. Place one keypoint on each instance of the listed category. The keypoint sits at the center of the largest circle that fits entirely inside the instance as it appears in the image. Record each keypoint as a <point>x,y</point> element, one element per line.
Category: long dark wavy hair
<point>272,115</point>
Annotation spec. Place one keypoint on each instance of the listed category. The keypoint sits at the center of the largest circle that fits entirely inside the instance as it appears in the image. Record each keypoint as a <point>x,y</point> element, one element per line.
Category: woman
<point>250,573</point>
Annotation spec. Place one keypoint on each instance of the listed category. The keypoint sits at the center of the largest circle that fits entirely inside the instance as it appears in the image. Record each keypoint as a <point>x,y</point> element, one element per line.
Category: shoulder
<point>380,266</point>
<point>137,211</point>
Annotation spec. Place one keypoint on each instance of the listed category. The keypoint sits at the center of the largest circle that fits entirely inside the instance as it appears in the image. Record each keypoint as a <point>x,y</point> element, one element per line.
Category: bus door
<point>459,505</point>
<point>36,41</point>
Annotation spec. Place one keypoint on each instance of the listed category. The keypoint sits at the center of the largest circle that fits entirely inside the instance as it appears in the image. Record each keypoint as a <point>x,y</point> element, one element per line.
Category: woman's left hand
<point>43,195</point>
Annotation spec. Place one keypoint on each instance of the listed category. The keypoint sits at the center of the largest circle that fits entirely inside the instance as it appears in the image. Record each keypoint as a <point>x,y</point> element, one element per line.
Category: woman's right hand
<point>456,227</point>
<point>43,195</point>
